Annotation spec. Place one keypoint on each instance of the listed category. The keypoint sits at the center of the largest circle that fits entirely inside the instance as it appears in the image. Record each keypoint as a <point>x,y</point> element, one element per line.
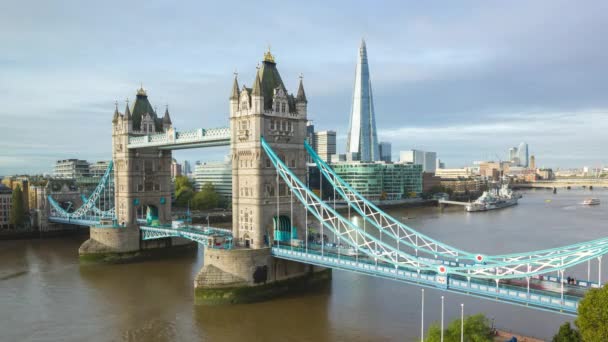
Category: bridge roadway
<point>208,236</point>
<point>565,303</point>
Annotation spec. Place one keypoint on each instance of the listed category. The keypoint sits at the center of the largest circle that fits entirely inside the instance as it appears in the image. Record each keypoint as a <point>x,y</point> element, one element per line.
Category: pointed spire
<point>257,85</point>
<point>167,118</point>
<point>127,111</point>
<point>363,49</point>
<point>116,113</point>
<point>235,88</point>
<point>301,97</point>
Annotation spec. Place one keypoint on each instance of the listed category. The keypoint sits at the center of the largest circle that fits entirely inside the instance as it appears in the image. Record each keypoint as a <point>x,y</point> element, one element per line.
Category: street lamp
<point>422,319</point>
<point>441,318</point>
<point>462,322</point>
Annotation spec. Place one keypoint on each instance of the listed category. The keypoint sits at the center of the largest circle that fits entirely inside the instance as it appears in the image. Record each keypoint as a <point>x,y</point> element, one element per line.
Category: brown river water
<point>46,295</point>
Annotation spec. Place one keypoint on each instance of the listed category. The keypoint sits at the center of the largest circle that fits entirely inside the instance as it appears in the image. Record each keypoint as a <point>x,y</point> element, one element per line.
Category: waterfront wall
<point>249,275</point>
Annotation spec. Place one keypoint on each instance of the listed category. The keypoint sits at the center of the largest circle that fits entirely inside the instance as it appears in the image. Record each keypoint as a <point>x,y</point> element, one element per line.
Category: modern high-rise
<point>522,154</point>
<point>186,170</point>
<point>362,137</point>
<point>324,143</point>
<point>428,160</point>
<point>385,151</point>
<point>218,173</point>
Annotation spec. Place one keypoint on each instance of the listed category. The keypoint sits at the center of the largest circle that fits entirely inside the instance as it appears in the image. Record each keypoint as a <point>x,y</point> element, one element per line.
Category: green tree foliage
<point>207,198</point>
<point>17,217</point>
<point>184,191</point>
<point>592,321</point>
<point>567,334</point>
<point>476,329</point>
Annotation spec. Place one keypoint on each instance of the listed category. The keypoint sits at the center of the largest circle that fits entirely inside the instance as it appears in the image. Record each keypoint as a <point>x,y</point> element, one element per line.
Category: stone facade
<point>249,272</point>
<point>142,179</point>
<point>265,110</point>
<point>248,275</point>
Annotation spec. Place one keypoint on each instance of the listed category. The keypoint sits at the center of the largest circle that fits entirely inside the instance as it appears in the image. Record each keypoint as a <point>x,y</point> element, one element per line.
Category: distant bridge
<point>564,183</point>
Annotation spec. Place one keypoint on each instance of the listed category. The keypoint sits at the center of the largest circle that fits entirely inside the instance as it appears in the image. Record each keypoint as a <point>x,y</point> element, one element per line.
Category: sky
<point>467,79</point>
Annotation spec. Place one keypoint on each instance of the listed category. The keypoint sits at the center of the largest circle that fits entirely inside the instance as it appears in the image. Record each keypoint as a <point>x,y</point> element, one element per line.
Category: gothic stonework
<point>265,110</point>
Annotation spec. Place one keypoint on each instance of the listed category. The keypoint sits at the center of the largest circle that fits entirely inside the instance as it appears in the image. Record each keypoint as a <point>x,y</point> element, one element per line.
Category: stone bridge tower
<point>249,272</point>
<point>142,179</point>
<point>266,109</point>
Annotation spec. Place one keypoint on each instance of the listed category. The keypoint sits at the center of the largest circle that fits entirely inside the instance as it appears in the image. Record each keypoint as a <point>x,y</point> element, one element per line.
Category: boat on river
<point>591,201</point>
<point>494,199</point>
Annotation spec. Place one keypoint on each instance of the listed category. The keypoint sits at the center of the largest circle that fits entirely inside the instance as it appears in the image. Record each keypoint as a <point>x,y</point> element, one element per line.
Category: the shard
<point>362,137</point>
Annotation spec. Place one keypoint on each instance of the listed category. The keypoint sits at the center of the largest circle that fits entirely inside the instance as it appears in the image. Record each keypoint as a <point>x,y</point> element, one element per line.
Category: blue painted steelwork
<point>446,273</point>
<point>82,221</point>
<point>517,262</point>
<point>174,140</point>
<point>208,236</point>
<point>89,213</point>
<point>547,300</point>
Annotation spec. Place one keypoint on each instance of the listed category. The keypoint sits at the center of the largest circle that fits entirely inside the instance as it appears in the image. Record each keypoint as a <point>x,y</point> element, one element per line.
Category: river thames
<point>46,295</point>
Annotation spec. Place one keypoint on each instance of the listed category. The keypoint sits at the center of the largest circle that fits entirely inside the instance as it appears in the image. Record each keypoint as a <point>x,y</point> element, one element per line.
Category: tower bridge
<point>283,235</point>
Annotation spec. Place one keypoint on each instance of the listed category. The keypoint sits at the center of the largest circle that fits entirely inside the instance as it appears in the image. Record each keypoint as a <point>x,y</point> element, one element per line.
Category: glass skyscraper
<point>362,137</point>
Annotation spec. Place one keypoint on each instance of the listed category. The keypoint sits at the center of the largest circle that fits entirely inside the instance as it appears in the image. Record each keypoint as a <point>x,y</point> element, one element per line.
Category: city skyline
<point>496,85</point>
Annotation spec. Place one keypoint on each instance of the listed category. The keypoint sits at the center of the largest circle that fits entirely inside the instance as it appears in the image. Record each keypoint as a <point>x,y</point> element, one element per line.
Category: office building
<point>176,169</point>
<point>218,173</point>
<point>24,184</point>
<point>6,198</point>
<point>71,168</point>
<point>324,143</point>
<point>381,181</point>
<point>519,155</point>
<point>532,162</point>
<point>439,164</point>
<point>98,169</point>
<point>385,151</point>
<point>186,169</point>
<point>454,173</point>
<point>362,136</point>
<point>522,154</point>
<point>428,160</point>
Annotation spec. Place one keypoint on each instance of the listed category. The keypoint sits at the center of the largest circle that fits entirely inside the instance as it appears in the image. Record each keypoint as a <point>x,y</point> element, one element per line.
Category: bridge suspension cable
<point>345,230</point>
<point>103,193</point>
<point>497,270</point>
<point>420,242</point>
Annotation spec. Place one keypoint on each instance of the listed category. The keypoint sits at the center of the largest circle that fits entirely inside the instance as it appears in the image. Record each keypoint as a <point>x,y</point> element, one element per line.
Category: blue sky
<point>466,79</point>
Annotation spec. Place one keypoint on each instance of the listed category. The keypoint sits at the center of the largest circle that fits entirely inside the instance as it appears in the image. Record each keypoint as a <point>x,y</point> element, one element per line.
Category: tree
<point>593,315</point>
<point>567,334</point>
<point>17,217</point>
<point>207,198</point>
<point>476,329</point>
<point>184,191</point>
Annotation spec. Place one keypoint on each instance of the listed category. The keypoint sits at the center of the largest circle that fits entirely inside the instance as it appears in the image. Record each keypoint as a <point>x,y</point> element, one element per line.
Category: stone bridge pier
<point>243,275</point>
